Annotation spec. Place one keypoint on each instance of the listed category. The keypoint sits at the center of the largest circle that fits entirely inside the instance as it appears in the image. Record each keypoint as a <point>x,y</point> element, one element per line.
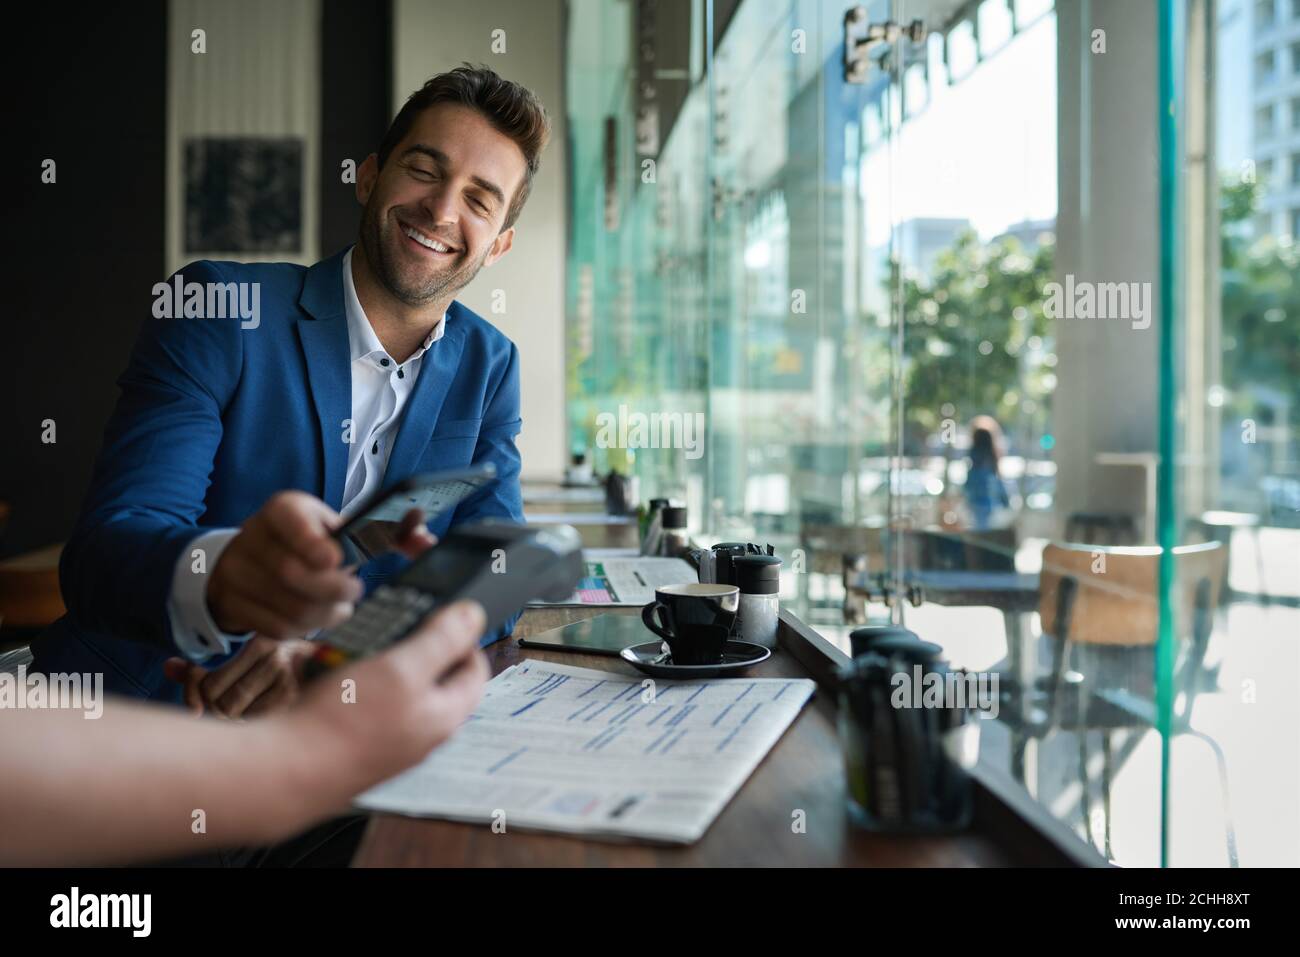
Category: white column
<point>430,38</point>
<point>1107,390</point>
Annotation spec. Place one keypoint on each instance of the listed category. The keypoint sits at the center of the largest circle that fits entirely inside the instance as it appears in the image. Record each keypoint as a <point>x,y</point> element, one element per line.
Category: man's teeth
<point>423,240</point>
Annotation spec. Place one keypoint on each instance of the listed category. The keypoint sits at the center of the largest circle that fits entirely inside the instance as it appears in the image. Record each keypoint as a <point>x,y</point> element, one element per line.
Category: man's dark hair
<point>512,109</point>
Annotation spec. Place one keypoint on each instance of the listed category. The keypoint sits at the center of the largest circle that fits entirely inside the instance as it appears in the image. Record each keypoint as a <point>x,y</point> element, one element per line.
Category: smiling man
<point>236,445</point>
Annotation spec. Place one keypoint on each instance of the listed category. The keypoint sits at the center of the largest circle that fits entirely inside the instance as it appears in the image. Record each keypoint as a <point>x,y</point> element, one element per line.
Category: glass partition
<point>799,374</point>
<point>984,314</point>
<point>1233,388</point>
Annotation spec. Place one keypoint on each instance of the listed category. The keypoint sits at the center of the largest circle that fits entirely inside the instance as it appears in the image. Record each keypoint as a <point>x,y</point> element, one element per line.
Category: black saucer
<point>737,656</point>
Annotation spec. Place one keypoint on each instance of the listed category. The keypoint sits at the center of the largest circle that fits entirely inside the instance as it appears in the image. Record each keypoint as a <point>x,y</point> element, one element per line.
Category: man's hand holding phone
<point>287,574</point>
<point>281,575</point>
<point>280,578</point>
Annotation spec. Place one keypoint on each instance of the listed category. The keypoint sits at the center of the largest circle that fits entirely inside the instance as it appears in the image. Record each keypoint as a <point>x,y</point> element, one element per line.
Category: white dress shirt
<point>380,389</point>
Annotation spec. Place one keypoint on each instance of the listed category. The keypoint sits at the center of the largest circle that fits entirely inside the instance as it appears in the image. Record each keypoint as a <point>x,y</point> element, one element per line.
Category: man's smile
<point>426,244</point>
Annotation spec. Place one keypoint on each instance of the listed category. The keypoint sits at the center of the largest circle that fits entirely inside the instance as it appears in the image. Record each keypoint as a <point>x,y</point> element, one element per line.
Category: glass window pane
<point>994,26</point>
<point>916,92</point>
<point>918,339</point>
<point>962,52</point>
<point>1027,11</point>
<point>1238,493</point>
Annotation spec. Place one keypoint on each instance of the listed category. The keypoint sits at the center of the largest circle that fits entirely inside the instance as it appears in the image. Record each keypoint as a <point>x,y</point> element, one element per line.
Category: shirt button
<point>374,449</point>
<point>384,363</point>
<point>400,373</point>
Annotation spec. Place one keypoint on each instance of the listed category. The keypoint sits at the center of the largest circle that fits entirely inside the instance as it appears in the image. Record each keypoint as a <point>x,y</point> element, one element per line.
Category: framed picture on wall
<point>243,195</point>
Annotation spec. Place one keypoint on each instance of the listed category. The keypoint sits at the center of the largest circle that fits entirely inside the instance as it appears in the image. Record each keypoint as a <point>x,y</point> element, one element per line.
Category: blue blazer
<point>215,418</point>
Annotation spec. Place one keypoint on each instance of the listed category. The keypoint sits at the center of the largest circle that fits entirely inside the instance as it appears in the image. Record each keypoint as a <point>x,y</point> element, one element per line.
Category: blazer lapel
<point>437,370</point>
<point>323,332</point>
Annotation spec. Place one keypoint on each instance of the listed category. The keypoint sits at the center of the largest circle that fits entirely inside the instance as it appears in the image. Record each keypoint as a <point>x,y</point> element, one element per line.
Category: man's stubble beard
<point>381,257</point>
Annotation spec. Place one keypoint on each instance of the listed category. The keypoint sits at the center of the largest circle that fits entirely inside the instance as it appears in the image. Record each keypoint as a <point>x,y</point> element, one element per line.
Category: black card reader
<point>500,565</point>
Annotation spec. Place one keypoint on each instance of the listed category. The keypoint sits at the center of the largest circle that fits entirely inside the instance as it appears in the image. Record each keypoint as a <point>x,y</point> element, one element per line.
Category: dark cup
<point>695,619</point>
<point>862,640</point>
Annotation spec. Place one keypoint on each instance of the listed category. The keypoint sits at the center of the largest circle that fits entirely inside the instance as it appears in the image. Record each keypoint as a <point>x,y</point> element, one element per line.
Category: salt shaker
<point>676,541</point>
<point>759,580</point>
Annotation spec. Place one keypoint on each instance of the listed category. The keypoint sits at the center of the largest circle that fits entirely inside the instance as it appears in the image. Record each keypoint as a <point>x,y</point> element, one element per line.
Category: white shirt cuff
<point>195,633</point>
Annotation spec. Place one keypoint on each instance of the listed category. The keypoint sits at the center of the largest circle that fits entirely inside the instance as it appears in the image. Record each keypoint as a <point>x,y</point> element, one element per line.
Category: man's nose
<point>440,204</point>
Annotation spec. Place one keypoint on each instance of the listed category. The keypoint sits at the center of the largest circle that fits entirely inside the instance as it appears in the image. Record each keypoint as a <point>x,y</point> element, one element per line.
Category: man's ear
<point>500,246</point>
<point>367,176</point>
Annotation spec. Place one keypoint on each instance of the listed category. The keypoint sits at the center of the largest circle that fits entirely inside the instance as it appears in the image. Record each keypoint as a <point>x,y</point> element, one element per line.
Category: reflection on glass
<point>962,50</point>
<point>1027,11</point>
<point>1235,774</point>
<point>995,26</point>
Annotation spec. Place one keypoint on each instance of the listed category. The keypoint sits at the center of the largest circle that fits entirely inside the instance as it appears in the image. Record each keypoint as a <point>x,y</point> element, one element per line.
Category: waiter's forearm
<point>143,783</point>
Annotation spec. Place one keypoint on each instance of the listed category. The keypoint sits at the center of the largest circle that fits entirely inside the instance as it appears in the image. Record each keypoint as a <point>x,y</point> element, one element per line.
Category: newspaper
<point>557,748</point>
<point>580,495</point>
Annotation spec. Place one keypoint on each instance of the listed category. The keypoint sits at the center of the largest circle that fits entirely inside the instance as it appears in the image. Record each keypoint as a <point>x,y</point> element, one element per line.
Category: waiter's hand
<point>408,699</point>
<point>281,575</point>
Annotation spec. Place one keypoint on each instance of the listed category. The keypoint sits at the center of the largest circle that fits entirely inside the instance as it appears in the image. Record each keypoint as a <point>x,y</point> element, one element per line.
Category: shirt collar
<point>362,340</point>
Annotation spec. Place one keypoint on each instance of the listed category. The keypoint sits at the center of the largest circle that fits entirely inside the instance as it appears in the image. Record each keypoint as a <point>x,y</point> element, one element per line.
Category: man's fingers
<point>218,682</point>
<point>188,675</point>
<point>255,597</point>
<point>176,669</point>
<point>412,520</point>
<point>193,693</point>
<point>302,524</point>
<point>310,584</point>
<point>273,564</point>
<point>280,694</point>
<point>273,683</point>
<point>255,682</point>
<point>281,581</point>
<point>416,543</point>
<point>413,537</point>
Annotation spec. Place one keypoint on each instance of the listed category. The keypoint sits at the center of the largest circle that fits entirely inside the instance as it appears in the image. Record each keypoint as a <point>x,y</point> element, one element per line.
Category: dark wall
<point>356,82</point>
<point>81,255</point>
<point>723,13</point>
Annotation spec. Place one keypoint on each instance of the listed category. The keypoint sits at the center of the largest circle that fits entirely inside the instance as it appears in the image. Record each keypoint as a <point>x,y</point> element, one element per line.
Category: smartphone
<point>371,531</point>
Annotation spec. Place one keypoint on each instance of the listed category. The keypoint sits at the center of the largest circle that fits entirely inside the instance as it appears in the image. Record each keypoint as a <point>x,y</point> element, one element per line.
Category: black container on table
<point>906,766</point>
<point>723,555</point>
<point>647,520</point>
<point>618,494</point>
<point>862,639</point>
